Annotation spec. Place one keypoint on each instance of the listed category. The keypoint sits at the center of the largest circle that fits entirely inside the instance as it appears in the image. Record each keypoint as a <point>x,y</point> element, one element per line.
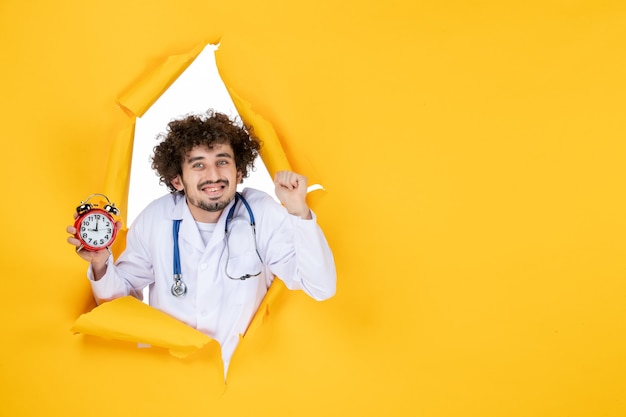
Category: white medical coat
<point>293,249</point>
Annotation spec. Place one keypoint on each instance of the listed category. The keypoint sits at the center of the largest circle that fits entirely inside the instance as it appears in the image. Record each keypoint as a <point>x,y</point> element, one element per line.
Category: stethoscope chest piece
<point>179,288</point>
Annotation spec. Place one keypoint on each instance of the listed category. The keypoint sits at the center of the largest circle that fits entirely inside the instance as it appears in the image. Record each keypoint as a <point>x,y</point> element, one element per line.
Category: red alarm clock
<point>95,227</point>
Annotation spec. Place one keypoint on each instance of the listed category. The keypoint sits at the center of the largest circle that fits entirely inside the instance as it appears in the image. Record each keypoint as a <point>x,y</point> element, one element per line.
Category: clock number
<point>96,230</point>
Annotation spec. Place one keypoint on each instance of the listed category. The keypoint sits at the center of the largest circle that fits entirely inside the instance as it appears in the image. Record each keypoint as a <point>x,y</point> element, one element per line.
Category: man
<point>228,255</point>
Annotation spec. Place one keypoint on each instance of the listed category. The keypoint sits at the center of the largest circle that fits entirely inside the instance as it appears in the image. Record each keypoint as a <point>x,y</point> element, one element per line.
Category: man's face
<point>209,179</point>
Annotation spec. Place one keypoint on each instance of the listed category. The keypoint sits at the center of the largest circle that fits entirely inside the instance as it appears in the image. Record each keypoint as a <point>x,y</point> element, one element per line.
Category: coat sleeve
<point>130,274</point>
<point>299,255</point>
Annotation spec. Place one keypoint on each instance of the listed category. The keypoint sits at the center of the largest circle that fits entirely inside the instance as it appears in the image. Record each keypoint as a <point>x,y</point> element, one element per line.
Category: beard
<point>212,206</point>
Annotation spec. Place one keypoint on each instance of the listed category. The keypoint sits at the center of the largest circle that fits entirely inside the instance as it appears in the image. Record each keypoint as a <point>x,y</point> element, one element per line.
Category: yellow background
<point>473,156</point>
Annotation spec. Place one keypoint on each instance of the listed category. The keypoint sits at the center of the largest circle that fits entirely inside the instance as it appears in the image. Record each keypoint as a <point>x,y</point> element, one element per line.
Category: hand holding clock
<point>97,258</point>
<point>89,255</point>
<point>91,241</point>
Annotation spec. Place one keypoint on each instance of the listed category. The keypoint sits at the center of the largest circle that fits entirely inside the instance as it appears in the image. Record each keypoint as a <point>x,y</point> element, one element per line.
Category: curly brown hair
<point>206,129</point>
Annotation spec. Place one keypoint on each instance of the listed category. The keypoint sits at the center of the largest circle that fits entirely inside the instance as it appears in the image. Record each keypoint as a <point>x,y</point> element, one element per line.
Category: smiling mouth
<point>212,187</point>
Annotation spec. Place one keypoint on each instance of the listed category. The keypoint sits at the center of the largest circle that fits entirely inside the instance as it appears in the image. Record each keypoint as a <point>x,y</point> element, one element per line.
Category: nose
<point>212,173</point>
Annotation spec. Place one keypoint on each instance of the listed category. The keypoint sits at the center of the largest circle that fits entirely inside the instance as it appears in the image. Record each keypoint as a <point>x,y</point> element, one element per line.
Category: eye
<point>198,165</point>
<point>222,162</point>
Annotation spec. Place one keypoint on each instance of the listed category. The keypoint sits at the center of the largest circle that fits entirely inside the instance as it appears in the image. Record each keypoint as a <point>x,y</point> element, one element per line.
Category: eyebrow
<point>200,158</point>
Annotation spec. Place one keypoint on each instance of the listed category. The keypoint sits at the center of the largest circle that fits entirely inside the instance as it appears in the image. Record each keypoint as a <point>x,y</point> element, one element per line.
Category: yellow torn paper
<point>138,99</point>
<point>272,151</point>
<point>118,168</point>
<point>130,320</point>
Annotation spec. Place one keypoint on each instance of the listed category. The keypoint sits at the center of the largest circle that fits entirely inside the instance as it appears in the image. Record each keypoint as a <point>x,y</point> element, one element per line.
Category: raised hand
<point>291,188</point>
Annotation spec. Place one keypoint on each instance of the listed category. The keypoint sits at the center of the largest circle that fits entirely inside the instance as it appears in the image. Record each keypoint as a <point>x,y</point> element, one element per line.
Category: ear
<point>178,183</point>
<point>239,177</point>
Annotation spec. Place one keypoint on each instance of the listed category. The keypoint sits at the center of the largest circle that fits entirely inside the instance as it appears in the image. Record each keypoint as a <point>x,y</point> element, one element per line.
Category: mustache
<point>225,182</point>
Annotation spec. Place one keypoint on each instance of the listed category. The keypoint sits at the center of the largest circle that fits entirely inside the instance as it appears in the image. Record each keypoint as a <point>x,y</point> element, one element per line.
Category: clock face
<point>96,229</point>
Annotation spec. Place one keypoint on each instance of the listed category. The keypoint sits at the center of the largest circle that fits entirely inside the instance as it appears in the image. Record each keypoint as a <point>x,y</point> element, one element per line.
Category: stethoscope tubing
<point>179,288</point>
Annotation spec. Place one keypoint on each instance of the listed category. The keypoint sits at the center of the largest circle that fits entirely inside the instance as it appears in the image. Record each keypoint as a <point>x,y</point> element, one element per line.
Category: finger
<point>75,242</point>
<point>295,181</point>
<point>278,178</point>
<point>301,180</point>
<point>281,179</point>
<point>289,179</point>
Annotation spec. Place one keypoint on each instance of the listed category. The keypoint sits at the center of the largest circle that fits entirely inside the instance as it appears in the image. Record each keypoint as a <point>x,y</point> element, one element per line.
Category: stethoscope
<point>179,288</point>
